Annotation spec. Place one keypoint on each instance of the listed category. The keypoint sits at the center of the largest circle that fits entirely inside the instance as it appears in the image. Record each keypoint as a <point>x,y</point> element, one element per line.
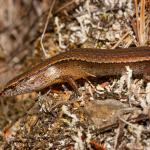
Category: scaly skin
<point>80,63</point>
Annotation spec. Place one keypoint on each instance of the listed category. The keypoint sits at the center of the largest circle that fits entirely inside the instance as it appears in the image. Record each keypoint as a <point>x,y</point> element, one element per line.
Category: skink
<point>80,63</point>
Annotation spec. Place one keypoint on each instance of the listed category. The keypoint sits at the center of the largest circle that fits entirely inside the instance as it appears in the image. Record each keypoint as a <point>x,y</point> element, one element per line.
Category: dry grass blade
<point>142,24</point>
<point>148,21</point>
<point>137,18</point>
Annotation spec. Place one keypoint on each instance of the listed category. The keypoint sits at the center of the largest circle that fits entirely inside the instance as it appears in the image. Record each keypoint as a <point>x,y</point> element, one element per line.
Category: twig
<point>130,124</point>
<point>119,136</point>
<point>65,5</point>
<point>140,23</point>
<point>129,42</point>
<point>46,24</point>
<point>120,39</point>
<point>140,118</point>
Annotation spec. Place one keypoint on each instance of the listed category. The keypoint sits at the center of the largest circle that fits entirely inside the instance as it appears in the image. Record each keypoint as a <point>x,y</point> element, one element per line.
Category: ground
<point>110,113</point>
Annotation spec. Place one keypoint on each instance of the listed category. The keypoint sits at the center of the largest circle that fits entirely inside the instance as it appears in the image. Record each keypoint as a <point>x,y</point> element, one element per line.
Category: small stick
<point>69,3</point>
<point>120,39</point>
<point>46,24</point>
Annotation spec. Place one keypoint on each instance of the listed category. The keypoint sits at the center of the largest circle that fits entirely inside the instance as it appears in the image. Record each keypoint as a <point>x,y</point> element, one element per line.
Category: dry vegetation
<point>111,113</point>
